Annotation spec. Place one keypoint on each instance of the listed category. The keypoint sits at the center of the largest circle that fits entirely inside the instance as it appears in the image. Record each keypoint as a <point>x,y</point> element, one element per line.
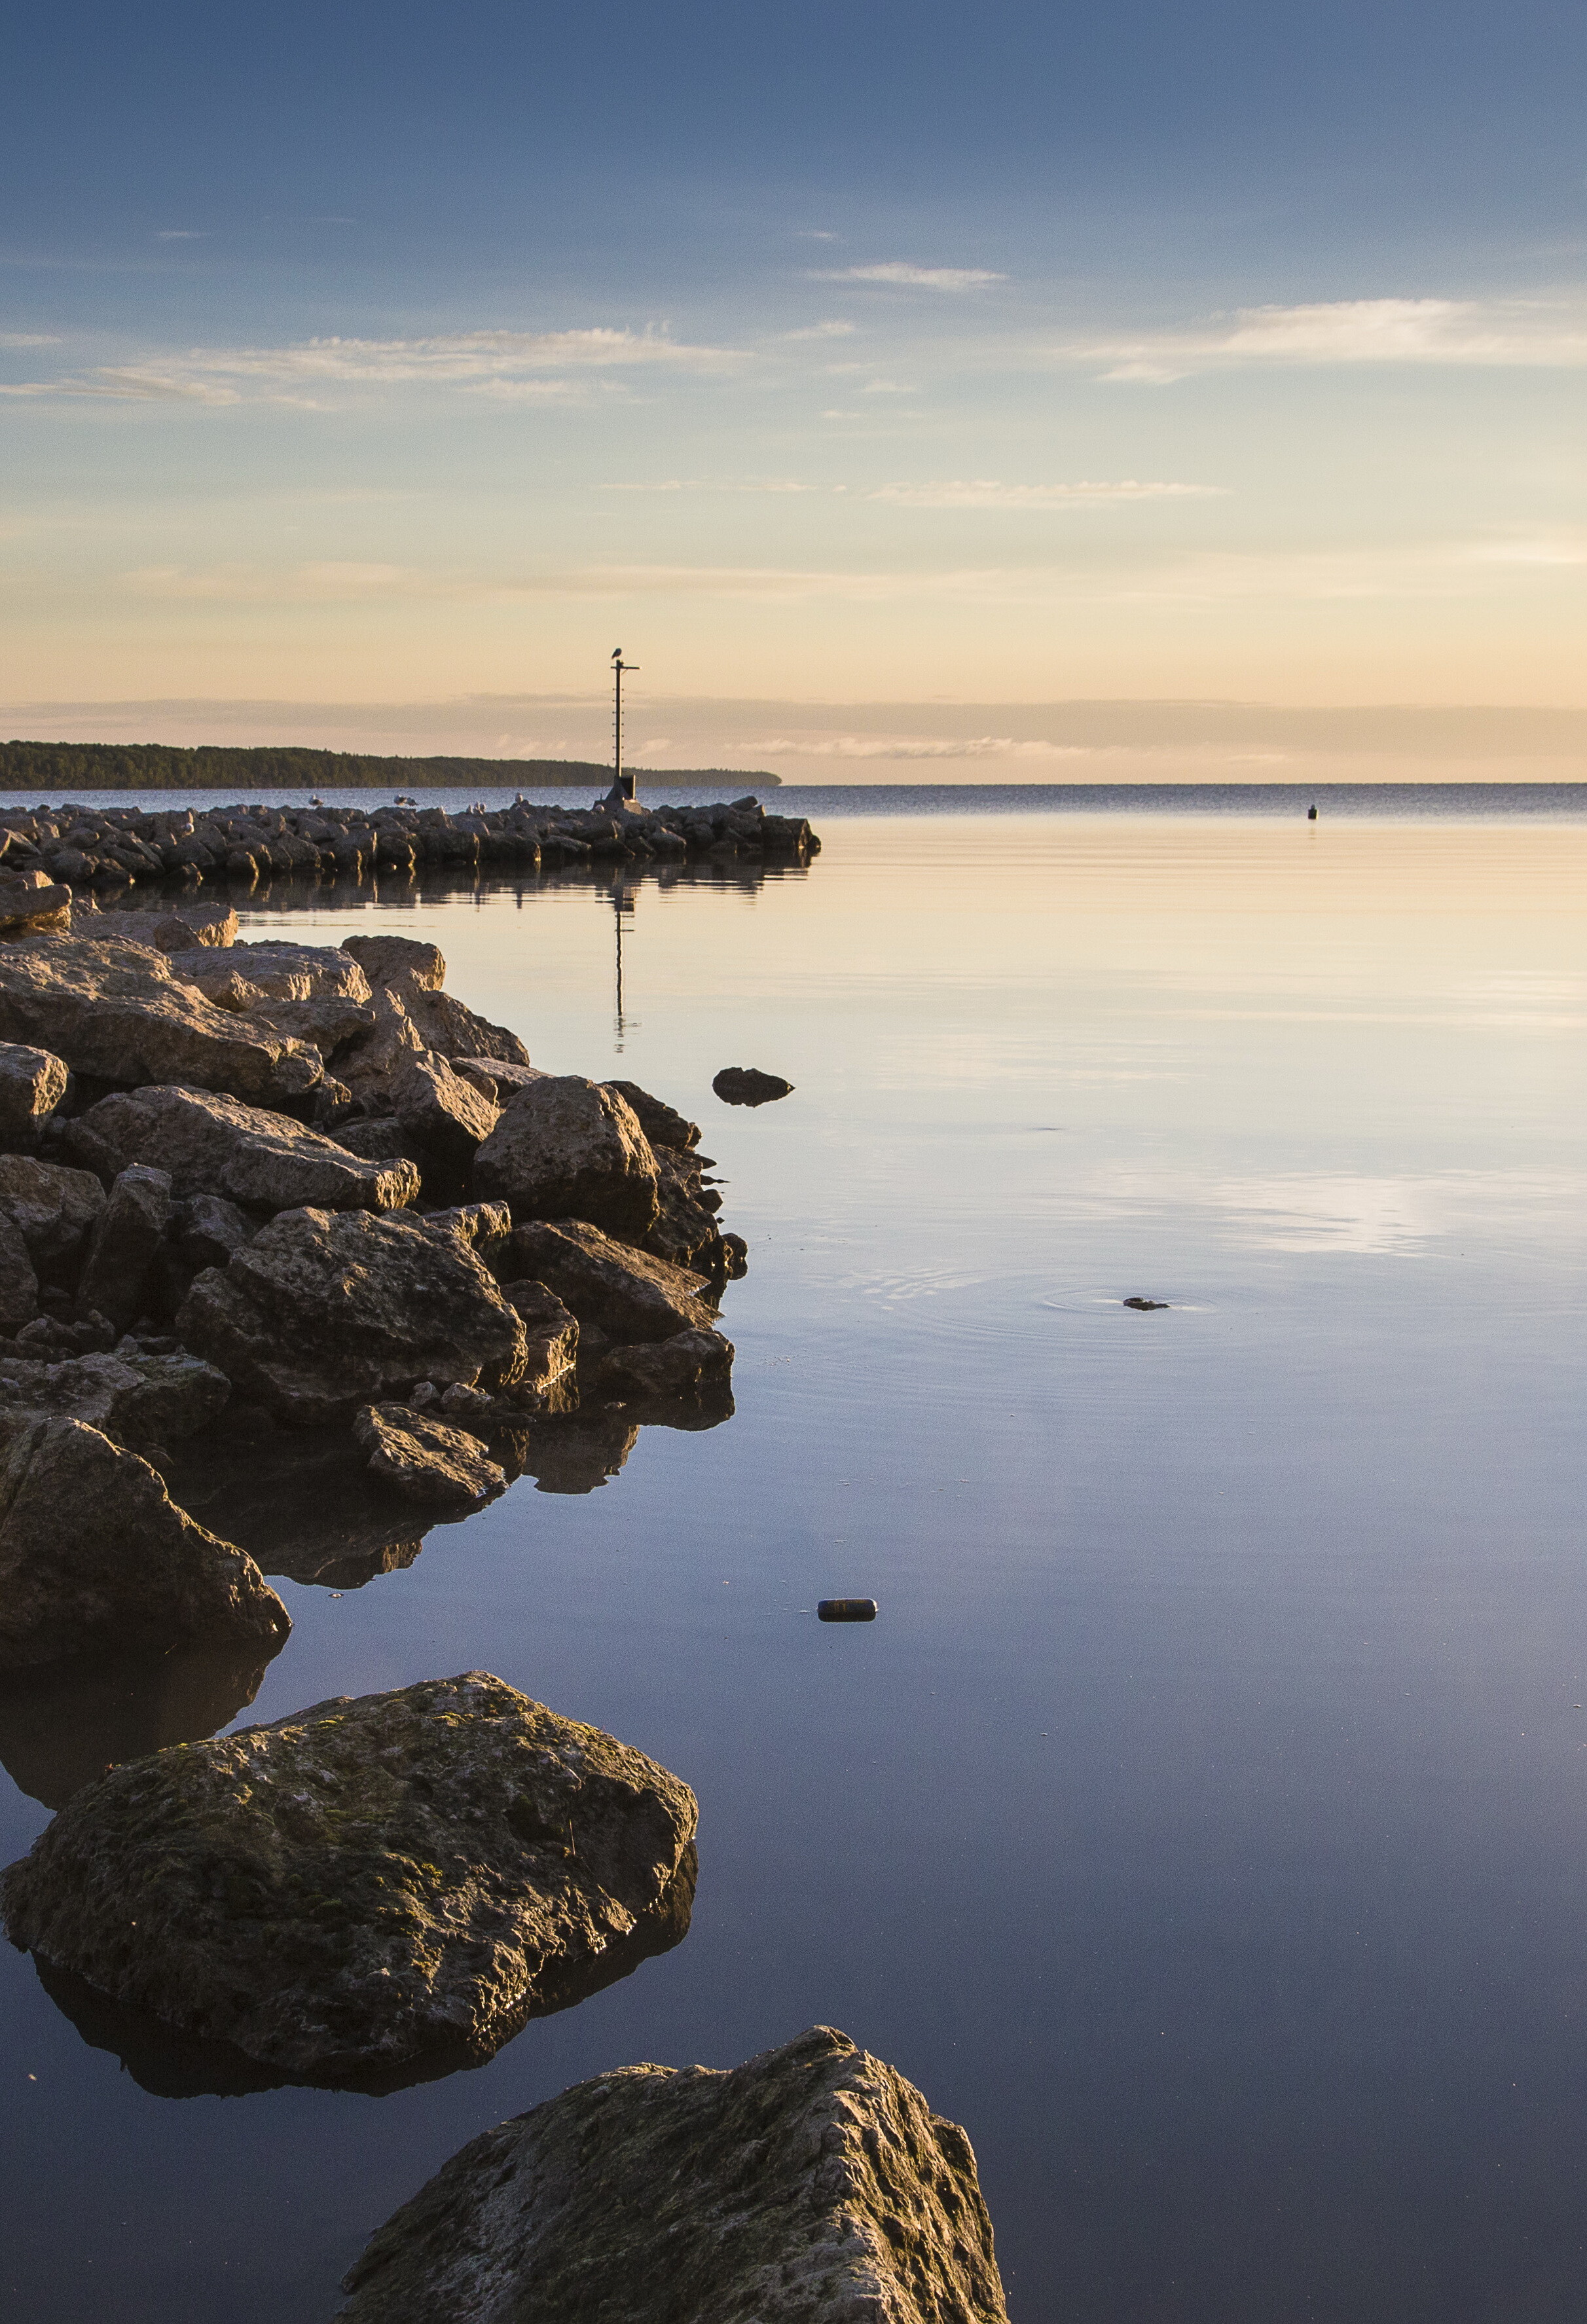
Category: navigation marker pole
<point>622,785</point>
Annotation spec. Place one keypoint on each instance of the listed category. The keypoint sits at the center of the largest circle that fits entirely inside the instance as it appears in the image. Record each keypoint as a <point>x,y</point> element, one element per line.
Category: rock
<point>126,1240</point>
<point>327,1021</point>
<point>398,959</point>
<point>136,1399</point>
<point>567,1148</point>
<point>625,1293</point>
<point>93,1552</point>
<point>662,1124</point>
<point>811,2185</point>
<point>680,1366</point>
<point>495,1079</point>
<point>424,1459</point>
<point>748,1085</point>
<point>478,1223</point>
<point>326,1311</point>
<point>1145,1306</point>
<point>112,1008</point>
<point>214,1145</point>
<point>18,1285</point>
<point>378,1138</point>
<point>685,1231</point>
<point>54,1207</point>
<point>411,974</point>
<point>207,1229</point>
<point>191,925</point>
<point>32,1083</point>
<point>376,1887</point>
<point>31,904</point>
<point>439,1110</point>
<point>550,1331</point>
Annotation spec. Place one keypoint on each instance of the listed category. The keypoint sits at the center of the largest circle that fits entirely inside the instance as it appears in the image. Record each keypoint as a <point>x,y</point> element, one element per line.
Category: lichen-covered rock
<point>364,1887</point>
<point>326,1311</point>
<point>126,1241</point>
<point>114,1010</point>
<point>425,1459</point>
<point>811,2185</point>
<point>748,1085</point>
<point>567,1149</point>
<point>94,1552</point>
<point>32,1083</point>
<point>625,1293</point>
<point>681,1366</point>
<point>53,1207</point>
<point>211,1144</point>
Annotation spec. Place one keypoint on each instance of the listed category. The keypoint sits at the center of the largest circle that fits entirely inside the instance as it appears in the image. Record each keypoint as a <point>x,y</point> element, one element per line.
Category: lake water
<point>1203,1822</point>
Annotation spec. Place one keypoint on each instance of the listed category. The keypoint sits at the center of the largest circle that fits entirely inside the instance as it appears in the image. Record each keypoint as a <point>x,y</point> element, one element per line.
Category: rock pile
<point>57,849</point>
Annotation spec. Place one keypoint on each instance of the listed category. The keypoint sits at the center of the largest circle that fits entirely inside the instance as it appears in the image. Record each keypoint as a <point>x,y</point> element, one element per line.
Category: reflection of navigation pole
<point>622,785</point>
<point>621,905</point>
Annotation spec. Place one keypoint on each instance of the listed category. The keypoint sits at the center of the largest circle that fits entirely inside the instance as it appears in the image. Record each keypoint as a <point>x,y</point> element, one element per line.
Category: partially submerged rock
<point>425,1459</point>
<point>93,1552</point>
<point>811,2185</point>
<point>32,1083</point>
<point>370,1888</point>
<point>567,1149</point>
<point>326,1311</point>
<point>625,1293</point>
<point>748,1085</point>
<point>683,1365</point>
<point>210,1144</point>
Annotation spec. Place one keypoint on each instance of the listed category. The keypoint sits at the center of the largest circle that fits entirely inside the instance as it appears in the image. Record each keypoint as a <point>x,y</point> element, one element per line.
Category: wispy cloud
<point>916,278</point>
<point>181,234</point>
<point>1437,331</point>
<point>908,746</point>
<point>713,485</point>
<point>983,494</point>
<point>825,330</point>
<point>124,385</point>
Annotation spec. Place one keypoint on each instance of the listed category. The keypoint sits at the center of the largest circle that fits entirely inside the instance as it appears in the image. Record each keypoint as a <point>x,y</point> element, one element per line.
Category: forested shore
<point>45,767</point>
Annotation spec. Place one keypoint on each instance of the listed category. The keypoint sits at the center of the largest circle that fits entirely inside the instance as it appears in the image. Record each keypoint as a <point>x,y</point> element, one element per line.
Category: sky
<point>879,377</point>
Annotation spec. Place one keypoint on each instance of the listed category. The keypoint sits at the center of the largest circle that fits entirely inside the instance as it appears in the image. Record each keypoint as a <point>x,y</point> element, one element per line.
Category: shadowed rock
<point>134,1399</point>
<point>32,1083</point>
<point>662,1124</point>
<point>366,1886</point>
<point>441,1113</point>
<point>567,1148</point>
<point>812,2185</point>
<point>426,1460</point>
<point>126,1244</point>
<point>18,1285</point>
<point>326,1311</point>
<point>53,1207</point>
<point>212,1145</point>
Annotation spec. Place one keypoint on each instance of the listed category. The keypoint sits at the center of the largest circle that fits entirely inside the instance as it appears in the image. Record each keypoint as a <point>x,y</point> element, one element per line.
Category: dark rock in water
<point>812,2185</point>
<point>424,1459</point>
<point>1145,1306</point>
<point>32,1083</point>
<point>93,1552</point>
<point>680,1366</point>
<point>566,1148</point>
<point>325,1311</point>
<point>212,1145</point>
<point>626,1292</point>
<point>299,1501</point>
<point>126,1241</point>
<point>748,1085</point>
<point>846,1609</point>
<point>686,1232</point>
<point>370,1886</point>
<point>661,1123</point>
<point>65,1725</point>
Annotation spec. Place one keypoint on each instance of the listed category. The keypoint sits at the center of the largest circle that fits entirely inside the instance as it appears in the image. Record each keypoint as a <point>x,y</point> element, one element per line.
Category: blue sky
<point>411,357</point>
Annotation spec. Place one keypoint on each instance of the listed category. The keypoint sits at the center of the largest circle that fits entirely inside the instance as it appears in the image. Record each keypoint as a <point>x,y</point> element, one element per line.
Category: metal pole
<point>618,667</point>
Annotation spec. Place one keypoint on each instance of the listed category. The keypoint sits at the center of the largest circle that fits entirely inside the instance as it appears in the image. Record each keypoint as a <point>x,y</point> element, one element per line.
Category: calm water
<point>1204,1823</point>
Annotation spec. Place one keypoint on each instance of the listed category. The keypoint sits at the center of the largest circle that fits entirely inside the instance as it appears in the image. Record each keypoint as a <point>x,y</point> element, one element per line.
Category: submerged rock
<point>93,1552</point>
<point>372,1886</point>
<point>425,1459</point>
<point>325,1311</point>
<point>811,2185</point>
<point>567,1149</point>
<point>210,1144</point>
<point>748,1085</point>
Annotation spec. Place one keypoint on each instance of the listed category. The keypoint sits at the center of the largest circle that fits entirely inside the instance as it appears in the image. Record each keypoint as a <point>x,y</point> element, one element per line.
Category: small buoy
<point>1311,815</point>
<point>846,1609</point>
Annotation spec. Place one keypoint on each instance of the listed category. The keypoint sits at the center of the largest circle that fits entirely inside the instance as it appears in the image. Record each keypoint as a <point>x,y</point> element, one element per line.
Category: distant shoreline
<point>160,766</point>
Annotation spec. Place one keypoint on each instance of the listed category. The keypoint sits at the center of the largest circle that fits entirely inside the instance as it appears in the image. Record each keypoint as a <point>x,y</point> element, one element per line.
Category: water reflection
<point>61,1726</point>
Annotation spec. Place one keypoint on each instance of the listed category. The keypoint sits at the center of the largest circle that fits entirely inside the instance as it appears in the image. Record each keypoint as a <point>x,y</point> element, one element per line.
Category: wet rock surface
<point>811,2185</point>
<point>371,1887</point>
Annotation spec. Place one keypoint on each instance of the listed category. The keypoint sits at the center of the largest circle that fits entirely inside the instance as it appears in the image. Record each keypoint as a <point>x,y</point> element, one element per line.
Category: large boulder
<point>379,1886</point>
<point>626,1294</point>
<point>32,1083</point>
<point>31,904</point>
<point>567,1149</point>
<point>242,975</point>
<point>94,1552</point>
<point>325,1312</point>
<point>425,1459</point>
<point>191,925</point>
<point>812,2185</point>
<point>126,1242</point>
<point>114,1010</point>
<point>662,1124</point>
<point>54,1208</point>
<point>212,1145</point>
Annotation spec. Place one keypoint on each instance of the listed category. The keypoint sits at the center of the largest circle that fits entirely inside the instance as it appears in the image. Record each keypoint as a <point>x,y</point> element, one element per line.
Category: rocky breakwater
<point>369,1893</point>
<point>64,848</point>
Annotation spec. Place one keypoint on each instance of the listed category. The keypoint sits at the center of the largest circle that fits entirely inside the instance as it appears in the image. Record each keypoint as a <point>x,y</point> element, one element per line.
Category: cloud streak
<point>898,272</point>
<point>985,494</point>
<point>1450,332</point>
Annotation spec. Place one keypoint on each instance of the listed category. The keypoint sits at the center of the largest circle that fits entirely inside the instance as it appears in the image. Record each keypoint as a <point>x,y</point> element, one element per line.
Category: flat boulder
<point>625,1293</point>
<point>325,1312</point>
<point>426,1460</point>
<point>94,1552</point>
<point>567,1149</point>
<point>32,1083</point>
<point>114,1010</point>
<point>375,1887</point>
<point>811,2185</point>
<point>189,925</point>
<point>211,1144</point>
<point>748,1085</point>
<point>243,974</point>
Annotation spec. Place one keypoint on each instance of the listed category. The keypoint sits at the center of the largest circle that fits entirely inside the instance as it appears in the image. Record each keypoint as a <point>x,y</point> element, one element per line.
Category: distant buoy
<point>846,1609</point>
<point>1311,815</point>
